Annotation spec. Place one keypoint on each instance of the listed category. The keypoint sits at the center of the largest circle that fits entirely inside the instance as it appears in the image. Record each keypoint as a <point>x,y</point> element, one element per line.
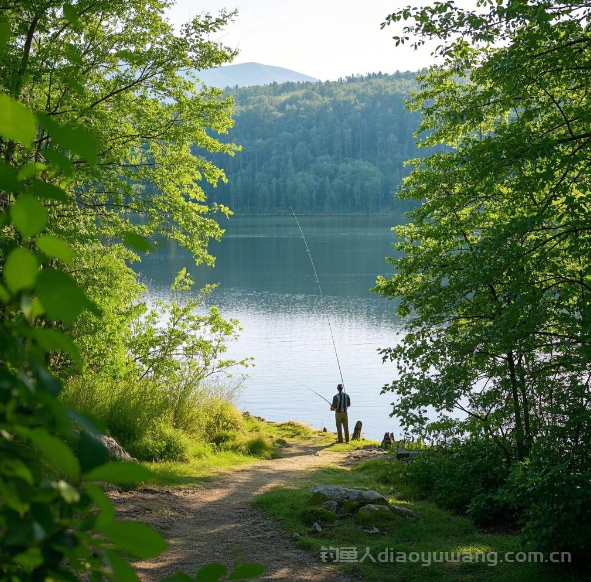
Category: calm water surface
<point>266,281</point>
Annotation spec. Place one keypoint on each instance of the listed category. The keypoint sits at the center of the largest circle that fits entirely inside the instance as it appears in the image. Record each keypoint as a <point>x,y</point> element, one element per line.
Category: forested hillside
<point>336,147</point>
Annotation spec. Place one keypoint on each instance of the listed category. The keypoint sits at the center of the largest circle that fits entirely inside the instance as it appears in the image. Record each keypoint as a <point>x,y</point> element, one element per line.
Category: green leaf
<point>30,169</point>
<point>28,215</point>
<point>4,294</point>
<point>70,13</point>
<point>122,571</point>
<point>91,451</point>
<point>5,32</point>
<point>9,178</point>
<point>60,295</point>
<point>59,159</point>
<point>137,242</point>
<point>117,472</point>
<point>48,191</point>
<point>53,340</point>
<point>16,468</point>
<point>135,538</point>
<point>13,496</point>
<point>20,270</point>
<point>31,307</point>
<point>247,571</point>
<point>17,122</point>
<point>53,387</point>
<point>54,246</point>
<point>211,572</point>
<point>75,139</point>
<point>89,424</point>
<point>29,559</point>
<point>54,449</point>
<point>107,511</point>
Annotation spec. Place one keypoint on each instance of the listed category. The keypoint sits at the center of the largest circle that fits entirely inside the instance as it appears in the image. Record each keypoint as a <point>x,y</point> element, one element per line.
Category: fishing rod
<point>334,345</point>
<point>317,394</point>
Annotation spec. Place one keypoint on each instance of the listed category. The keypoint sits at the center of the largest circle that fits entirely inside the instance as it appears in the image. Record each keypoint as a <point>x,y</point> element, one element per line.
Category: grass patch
<point>187,436</point>
<point>228,450</point>
<point>436,531</point>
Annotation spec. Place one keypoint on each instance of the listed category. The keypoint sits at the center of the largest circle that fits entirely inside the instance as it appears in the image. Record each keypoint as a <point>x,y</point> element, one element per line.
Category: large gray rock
<point>341,495</point>
<point>115,450</point>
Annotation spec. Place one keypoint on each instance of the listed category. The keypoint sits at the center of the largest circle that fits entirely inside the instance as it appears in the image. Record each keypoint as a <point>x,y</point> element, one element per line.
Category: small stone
<point>296,536</point>
<point>316,526</point>
<point>372,530</point>
<point>404,512</point>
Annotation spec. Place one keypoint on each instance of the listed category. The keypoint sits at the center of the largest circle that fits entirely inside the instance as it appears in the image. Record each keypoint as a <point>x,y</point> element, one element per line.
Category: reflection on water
<point>266,281</point>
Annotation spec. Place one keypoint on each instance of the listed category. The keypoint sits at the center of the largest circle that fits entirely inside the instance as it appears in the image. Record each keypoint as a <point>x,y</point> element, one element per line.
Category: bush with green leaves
<point>155,421</point>
<point>465,478</point>
<point>555,502</point>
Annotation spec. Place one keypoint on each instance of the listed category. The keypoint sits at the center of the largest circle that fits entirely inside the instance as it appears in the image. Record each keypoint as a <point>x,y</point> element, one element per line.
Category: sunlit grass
<point>232,450</point>
<point>436,531</point>
<point>199,470</point>
<point>260,440</point>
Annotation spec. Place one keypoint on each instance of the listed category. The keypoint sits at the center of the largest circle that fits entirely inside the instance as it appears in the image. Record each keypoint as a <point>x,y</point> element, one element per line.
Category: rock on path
<point>216,522</point>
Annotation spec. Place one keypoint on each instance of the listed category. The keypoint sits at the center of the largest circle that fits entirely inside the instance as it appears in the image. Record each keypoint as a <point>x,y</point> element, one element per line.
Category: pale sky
<point>326,39</point>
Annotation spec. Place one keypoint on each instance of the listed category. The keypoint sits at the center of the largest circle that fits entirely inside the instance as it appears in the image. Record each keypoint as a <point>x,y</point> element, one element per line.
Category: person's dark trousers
<point>342,422</point>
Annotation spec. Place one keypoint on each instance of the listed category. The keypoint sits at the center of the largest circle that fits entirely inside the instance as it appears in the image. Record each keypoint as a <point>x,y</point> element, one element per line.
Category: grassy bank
<point>436,531</point>
<point>187,437</point>
<point>207,462</point>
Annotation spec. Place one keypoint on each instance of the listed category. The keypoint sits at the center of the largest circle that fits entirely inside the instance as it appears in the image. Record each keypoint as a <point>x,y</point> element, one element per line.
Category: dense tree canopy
<point>111,85</point>
<point>496,277</point>
<point>337,146</point>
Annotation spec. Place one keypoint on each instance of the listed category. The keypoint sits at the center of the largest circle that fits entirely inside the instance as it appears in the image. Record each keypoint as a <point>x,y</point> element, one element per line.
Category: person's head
<point>340,387</point>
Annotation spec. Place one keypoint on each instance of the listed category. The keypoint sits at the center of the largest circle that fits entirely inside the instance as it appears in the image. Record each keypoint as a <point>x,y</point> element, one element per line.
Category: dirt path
<point>216,522</point>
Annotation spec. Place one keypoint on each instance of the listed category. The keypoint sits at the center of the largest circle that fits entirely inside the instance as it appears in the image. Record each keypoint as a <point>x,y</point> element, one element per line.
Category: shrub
<point>261,447</point>
<point>466,479</point>
<point>162,443</point>
<point>139,415</point>
<point>214,416</point>
<point>154,423</point>
<point>556,504</point>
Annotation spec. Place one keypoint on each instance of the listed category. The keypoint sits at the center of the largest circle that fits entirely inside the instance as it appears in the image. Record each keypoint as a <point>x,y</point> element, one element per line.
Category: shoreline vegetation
<point>439,545</point>
<point>438,531</point>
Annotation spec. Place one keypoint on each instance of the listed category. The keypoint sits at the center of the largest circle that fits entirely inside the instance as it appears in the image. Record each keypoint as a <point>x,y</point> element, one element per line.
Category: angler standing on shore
<point>340,404</point>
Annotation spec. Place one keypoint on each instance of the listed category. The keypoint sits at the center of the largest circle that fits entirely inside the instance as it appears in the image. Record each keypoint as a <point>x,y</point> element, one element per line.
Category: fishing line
<point>317,394</point>
<point>334,345</point>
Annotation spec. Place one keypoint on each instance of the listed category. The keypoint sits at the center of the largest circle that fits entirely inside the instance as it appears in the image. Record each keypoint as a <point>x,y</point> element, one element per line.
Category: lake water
<point>266,281</point>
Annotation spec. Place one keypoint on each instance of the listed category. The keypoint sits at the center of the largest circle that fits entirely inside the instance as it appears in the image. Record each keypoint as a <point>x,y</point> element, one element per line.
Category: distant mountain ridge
<point>249,75</point>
